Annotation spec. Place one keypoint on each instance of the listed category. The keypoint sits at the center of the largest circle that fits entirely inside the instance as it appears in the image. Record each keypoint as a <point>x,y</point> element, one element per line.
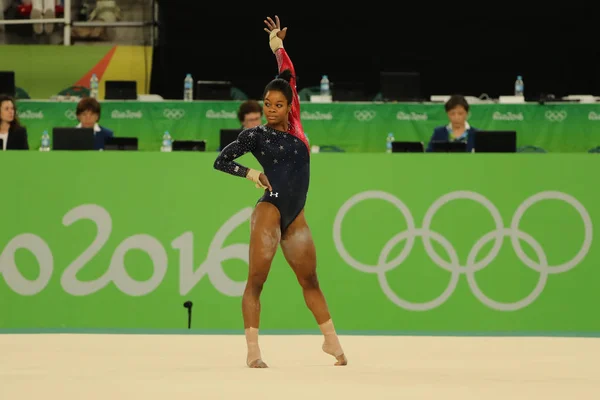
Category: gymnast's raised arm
<point>276,36</point>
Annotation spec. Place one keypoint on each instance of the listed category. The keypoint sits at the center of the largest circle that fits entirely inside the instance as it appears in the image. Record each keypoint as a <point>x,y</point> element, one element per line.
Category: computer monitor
<point>7,83</point>
<point>189,145</point>
<point>73,138</point>
<point>121,143</point>
<point>348,91</point>
<point>120,90</point>
<point>495,142</point>
<point>213,90</point>
<point>400,86</point>
<point>448,147</point>
<point>227,136</point>
<point>408,147</point>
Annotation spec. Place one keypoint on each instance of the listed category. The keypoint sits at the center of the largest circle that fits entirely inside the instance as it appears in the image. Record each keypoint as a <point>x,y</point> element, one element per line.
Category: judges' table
<point>352,127</point>
<point>119,241</point>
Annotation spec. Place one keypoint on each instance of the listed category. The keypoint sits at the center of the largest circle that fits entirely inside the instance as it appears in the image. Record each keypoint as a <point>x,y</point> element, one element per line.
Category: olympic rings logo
<point>70,114</point>
<point>173,113</point>
<point>556,116</point>
<point>472,266</point>
<point>364,115</point>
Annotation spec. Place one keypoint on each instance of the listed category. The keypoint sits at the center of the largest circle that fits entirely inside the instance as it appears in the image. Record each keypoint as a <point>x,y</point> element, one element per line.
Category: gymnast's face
<point>276,108</point>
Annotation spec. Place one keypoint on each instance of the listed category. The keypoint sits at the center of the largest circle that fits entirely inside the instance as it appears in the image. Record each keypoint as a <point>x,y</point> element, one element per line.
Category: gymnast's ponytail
<point>286,75</point>
<point>281,84</point>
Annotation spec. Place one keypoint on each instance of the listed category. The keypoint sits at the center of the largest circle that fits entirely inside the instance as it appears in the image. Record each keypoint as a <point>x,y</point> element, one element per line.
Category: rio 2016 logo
<point>212,267</point>
<point>116,272</point>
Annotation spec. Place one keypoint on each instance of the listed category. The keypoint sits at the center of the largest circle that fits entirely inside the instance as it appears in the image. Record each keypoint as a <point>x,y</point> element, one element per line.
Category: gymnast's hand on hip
<point>265,181</point>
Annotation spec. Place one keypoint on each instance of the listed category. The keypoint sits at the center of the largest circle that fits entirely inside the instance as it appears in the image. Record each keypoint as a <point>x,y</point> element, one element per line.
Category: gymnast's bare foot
<point>335,351</point>
<point>258,363</point>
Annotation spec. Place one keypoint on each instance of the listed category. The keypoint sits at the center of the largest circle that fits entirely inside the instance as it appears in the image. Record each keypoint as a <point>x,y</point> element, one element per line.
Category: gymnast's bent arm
<point>245,142</point>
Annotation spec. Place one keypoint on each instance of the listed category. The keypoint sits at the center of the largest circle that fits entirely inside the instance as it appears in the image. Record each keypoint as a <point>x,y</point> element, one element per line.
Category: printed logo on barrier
<point>556,116</point>
<point>222,114</point>
<point>317,116</point>
<point>509,116</point>
<point>217,253</point>
<point>116,272</point>
<point>127,114</point>
<point>70,114</point>
<point>473,264</point>
<point>364,115</point>
<point>28,114</point>
<point>411,116</point>
<point>592,116</point>
<point>173,113</point>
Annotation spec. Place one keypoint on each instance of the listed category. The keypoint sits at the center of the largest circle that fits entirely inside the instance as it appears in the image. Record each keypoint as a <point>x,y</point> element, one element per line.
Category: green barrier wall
<point>406,243</point>
<point>352,127</point>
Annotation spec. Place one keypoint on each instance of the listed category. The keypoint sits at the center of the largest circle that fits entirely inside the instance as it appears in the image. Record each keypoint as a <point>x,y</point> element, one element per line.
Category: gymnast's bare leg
<point>265,234</point>
<point>299,251</point>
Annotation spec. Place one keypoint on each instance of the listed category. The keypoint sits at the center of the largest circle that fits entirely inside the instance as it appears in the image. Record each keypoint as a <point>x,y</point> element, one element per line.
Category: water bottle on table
<point>325,90</point>
<point>519,87</point>
<point>94,84</point>
<point>188,88</point>
<point>45,145</point>
<point>388,145</point>
<point>167,142</point>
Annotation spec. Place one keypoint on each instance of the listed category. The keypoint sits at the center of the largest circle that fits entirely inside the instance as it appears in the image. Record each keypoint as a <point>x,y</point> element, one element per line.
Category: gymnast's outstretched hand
<point>275,25</point>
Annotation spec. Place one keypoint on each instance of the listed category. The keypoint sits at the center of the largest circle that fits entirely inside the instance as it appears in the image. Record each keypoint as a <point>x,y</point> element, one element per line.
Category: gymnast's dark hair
<point>281,84</point>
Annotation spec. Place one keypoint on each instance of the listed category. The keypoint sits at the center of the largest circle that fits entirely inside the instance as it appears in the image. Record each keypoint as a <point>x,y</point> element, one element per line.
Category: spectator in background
<point>88,114</point>
<point>458,130</point>
<point>42,9</point>
<point>250,114</point>
<point>13,135</point>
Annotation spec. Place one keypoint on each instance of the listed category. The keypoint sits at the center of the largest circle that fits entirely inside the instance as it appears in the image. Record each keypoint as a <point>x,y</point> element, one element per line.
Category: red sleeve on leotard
<point>283,63</point>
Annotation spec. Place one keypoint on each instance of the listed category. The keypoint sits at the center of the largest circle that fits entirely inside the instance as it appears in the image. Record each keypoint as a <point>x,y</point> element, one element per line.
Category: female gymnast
<point>283,151</point>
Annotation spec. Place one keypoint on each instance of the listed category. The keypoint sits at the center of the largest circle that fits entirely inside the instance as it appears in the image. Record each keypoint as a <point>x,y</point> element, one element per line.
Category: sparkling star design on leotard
<point>283,155</point>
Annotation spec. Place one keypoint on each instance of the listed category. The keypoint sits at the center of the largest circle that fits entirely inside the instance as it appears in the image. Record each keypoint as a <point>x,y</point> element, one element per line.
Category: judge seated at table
<point>88,114</point>
<point>458,129</point>
<point>13,135</point>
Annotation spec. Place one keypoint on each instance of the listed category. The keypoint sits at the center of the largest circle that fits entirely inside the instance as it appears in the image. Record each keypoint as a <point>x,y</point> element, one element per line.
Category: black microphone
<point>188,304</point>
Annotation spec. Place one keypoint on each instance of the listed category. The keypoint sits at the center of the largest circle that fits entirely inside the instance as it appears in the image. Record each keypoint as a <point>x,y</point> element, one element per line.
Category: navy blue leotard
<point>284,156</point>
